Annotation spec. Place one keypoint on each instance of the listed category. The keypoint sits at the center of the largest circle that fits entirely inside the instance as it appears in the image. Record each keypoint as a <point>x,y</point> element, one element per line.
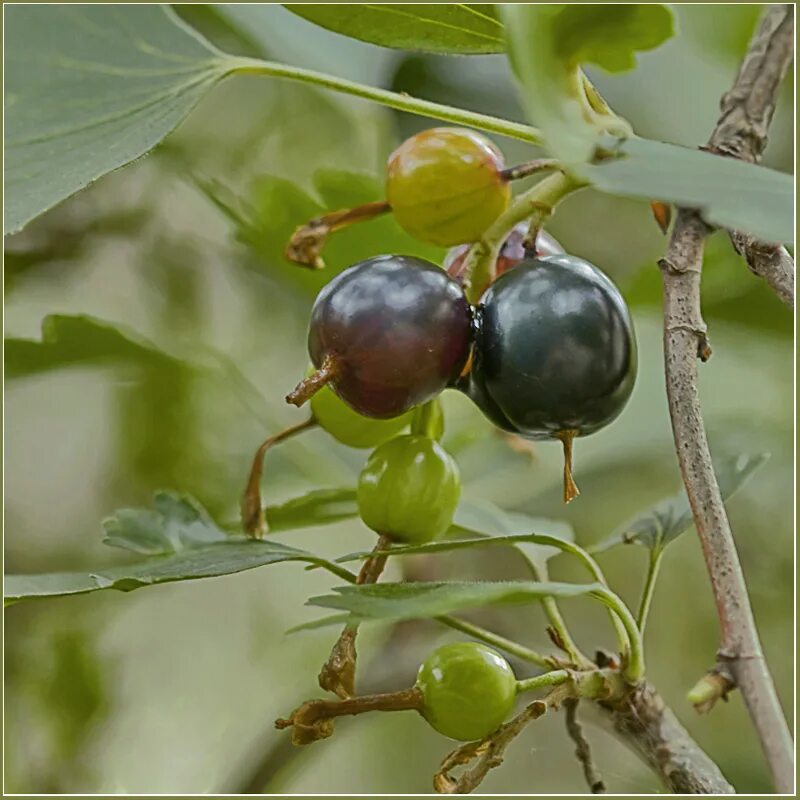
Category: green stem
<point>500,642</point>
<point>538,202</point>
<point>400,102</point>
<point>554,678</point>
<point>653,568</point>
<point>557,623</point>
<point>634,667</point>
<point>428,420</point>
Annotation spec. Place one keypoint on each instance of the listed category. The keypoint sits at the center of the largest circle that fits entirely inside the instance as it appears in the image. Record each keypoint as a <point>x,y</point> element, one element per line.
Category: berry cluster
<point>547,352</point>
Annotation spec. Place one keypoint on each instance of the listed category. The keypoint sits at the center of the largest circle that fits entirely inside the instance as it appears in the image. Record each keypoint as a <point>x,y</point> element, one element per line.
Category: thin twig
<point>770,262</point>
<point>741,132</point>
<point>583,751</point>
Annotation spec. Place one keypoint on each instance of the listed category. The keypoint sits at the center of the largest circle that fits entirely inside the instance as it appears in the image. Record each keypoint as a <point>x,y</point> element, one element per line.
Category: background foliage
<point>175,688</point>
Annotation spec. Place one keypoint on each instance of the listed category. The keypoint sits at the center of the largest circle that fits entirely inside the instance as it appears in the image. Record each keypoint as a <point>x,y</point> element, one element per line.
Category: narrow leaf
<point>664,522</point>
<point>728,192</point>
<point>400,601</point>
<point>433,27</point>
<point>321,622</point>
<point>88,89</point>
<point>77,341</point>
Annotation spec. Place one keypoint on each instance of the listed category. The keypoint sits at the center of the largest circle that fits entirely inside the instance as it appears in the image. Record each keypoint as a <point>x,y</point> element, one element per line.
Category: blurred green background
<point>175,688</point>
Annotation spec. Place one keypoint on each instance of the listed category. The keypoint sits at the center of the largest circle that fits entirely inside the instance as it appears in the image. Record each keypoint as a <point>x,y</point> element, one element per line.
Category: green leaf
<point>728,192</point>
<point>432,28</point>
<point>90,88</point>
<point>77,341</point>
<point>185,544</point>
<point>207,561</point>
<point>321,622</point>
<point>664,522</point>
<point>317,507</point>
<point>547,45</point>
<point>177,523</point>
<point>402,601</point>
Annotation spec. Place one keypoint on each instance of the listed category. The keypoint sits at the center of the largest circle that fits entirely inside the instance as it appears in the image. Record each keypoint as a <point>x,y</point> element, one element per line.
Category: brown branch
<point>770,262</point>
<point>583,751</point>
<point>648,728</point>
<point>740,132</point>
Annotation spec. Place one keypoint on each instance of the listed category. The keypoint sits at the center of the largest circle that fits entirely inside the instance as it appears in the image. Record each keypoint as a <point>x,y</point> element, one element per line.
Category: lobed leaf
<point>185,543</point>
<point>78,340</point>
<point>547,45</point>
<point>664,522</point>
<point>403,601</point>
<point>88,89</point>
<point>432,28</point>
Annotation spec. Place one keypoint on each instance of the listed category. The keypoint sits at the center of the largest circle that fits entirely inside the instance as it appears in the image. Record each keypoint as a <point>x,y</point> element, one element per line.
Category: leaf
<point>547,45</point>
<point>402,601</point>
<point>236,554</point>
<point>317,507</point>
<point>664,522</point>
<point>321,622</point>
<point>185,544</point>
<point>177,523</point>
<point>728,192</point>
<point>78,340</point>
<point>90,88</point>
<point>432,28</point>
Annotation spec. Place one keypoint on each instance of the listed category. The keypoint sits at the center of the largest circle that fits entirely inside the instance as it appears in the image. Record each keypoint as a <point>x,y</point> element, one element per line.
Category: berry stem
<point>314,719</point>
<point>571,490</point>
<point>309,386</point>
<point>306,243</point>
<point>554,678</point>
<point>252,511</point>
<point>528,168</point>
<point>338,673</point>
<point>428,420</point>
<point>537,202</point>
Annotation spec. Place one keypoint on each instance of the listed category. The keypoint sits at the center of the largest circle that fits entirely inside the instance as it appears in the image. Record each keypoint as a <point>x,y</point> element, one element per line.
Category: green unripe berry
<point>348,426</point>
<point>409,489</point>
<point>468,690</point>
<point>445,185</point>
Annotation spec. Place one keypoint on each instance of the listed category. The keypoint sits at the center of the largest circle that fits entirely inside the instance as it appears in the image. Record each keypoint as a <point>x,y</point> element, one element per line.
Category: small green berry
<point>445,185</point>
<point>409,489</point>
<point>468,690</point>
<point>348,426</point>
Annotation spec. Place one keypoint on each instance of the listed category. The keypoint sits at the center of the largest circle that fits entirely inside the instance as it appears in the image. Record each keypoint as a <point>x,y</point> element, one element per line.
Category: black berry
<point>387,334</point>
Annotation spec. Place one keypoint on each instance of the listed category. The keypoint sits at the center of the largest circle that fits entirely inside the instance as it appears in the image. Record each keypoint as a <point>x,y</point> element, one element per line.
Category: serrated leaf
<point>88,89</point>
<point>236,554</point>
<point>322,622</point>
<point>78,340</point>
<point>317,507</point>
<point>432,28</point>
<point>402,601</point>
<point>664,522</point>
<point>728,192</point>
<point>176,523</point>
<point>547,45</point>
